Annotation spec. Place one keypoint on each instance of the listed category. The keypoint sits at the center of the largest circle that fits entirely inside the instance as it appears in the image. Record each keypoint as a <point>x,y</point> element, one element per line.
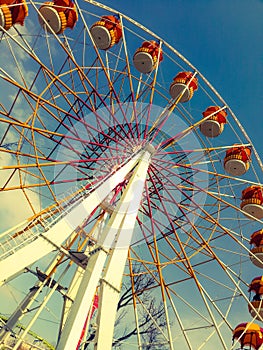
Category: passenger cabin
<point>252,201</point>
<point>183,86</point>
<point>256,250</point>
<point>237,160</point>
<point>147,57</point>
<point>215,120</point>
<point>248,334</point>
<point>106,32</point>
<point>255,307</point>
<point>58,15</point>
<point>12,12</point>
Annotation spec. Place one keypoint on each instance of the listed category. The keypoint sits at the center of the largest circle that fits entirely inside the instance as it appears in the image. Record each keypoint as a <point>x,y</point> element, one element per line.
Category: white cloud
<point>14,206</point>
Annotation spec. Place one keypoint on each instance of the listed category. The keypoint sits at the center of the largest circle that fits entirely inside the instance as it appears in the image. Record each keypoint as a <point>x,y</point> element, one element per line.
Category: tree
<point>148,321</point>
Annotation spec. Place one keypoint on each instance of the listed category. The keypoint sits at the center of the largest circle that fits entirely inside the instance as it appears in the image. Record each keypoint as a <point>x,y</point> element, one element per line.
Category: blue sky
<point>223,39</point>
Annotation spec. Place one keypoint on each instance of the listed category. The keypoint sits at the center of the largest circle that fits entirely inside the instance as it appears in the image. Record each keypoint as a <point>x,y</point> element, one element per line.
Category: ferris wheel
<point>131,201</point>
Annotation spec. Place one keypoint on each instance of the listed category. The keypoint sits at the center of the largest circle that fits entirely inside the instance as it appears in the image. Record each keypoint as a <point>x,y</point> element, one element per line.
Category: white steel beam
<point>128,204</point>
<point>111,281</point>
